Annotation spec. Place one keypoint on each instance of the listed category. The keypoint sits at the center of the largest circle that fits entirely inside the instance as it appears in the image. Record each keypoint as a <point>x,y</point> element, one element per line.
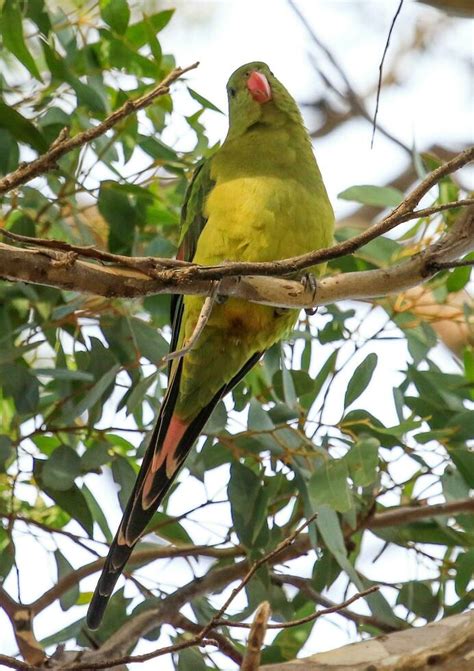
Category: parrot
<point>259,197</point>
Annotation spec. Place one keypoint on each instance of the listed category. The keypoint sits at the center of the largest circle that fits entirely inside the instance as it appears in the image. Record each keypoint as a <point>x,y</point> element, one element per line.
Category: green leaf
<point>418,598</point>
<point>149,342</point>
<point>137,34</point>
<point>125,476</point>
<point>458,278</point>
<point>10,153</point>
<point>360,379</point>
<point>23,387</point>
<point>116,13</point>
<point>289,392</point>
<point>330,529</point>
<point>424,532</point>
<point>6,451</point>
<point>329,485</point>
<point>362,461</point>
<point>65,634</point>
<point>169,528</point>
<point>61,469</point>
<point>326,570</point>
<point>217,421</point>
<point>94,394</point>
<point>86,95</point>
<point>154,44</point>
<point>70,597</point>
<point>98,513</point>
<point>379,196</point>
<point>21,129</point>
<point>158,149</point>
<point>258,419</point>
<point>248,501</point>
<point>36,11</point>
<point>464,571</point>
<point>288,642</point>
<point>13,39</point>
<point>71,501</point>
<point>63,374</point>
<point>203,101</point>
<point>463,457</point>
<point>326,369</point>
<point>191,659</point>
<point>115,207</point>
<point>7,553</point>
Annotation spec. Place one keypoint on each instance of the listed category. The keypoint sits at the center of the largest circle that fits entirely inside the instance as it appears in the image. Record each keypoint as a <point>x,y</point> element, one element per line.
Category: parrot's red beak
<point>259,87</point>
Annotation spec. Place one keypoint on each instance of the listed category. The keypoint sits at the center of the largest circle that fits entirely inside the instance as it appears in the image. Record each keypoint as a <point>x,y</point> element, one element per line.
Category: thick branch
<point>21,619</point>
<point>445,645</point>
<point>64,144</point>
<point>65,271</point>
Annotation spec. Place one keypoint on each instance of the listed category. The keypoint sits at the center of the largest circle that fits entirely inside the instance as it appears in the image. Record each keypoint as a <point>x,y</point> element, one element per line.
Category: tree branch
<point>179,620</point>
<point>400,516</point>
<point>258,628</point>
<point>146,555</point>
<point>64,144</point>
<point>60,270</point>
<point>304,585</point>
<point>21,619</point>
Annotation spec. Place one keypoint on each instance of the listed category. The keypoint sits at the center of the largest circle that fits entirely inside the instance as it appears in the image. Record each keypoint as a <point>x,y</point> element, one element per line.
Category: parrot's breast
<point>261,218</point>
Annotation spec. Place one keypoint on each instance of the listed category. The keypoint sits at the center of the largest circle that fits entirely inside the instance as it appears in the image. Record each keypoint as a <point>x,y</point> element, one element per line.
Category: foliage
<point>323,429</point>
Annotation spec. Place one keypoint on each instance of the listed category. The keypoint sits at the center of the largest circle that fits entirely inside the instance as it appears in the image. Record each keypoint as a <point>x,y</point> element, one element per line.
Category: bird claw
<point>308,280</point>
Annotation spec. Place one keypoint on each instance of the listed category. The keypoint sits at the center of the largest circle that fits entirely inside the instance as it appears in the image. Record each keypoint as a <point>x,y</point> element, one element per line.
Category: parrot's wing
<point>193,220</point>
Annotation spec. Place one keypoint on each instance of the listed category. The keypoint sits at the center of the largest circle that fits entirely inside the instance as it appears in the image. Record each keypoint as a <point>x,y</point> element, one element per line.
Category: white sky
<point>432,104</point>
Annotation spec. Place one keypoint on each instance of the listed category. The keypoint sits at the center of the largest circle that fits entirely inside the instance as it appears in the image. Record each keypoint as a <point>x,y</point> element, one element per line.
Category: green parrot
<point>260,197</point>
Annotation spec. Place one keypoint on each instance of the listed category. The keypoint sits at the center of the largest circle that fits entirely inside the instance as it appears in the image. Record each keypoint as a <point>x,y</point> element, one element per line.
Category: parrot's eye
<point>232,92</point>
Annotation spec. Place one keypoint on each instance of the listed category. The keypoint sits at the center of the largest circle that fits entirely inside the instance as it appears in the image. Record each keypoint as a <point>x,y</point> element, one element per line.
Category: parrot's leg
<point>308,280</point>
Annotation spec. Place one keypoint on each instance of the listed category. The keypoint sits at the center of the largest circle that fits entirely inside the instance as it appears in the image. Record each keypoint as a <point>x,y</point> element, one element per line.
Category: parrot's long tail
<point>171,440</point>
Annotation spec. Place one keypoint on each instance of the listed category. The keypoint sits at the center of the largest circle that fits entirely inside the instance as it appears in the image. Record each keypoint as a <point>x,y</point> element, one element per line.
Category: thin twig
<point>350,96</point>
<point>379,83</point>
<point>304,620</point>
<point>224,645</point>
<point>64,144</point>
<point>448,265</point>
<point>304,585</point>
<point>12,663</point>
<point>253,569</point>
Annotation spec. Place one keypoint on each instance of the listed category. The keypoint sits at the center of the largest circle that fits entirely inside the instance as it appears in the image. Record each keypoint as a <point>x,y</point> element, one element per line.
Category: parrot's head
<point>255,94</point>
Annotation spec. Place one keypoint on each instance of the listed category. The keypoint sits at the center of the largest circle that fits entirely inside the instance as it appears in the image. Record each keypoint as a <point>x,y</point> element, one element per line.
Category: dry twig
<point>64,144</point>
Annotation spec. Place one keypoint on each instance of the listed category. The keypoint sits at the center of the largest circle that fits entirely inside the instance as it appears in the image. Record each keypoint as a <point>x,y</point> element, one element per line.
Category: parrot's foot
<point>219,299</point>
<point>309,282</point>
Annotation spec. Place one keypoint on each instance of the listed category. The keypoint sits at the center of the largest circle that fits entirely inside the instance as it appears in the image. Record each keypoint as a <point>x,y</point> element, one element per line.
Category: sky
<point>432,103</point>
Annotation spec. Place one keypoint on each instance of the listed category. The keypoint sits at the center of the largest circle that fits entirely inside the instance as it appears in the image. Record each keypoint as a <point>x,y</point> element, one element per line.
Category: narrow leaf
<point>360,379</point>
<point>379,196</point>
<point>13,39</point>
